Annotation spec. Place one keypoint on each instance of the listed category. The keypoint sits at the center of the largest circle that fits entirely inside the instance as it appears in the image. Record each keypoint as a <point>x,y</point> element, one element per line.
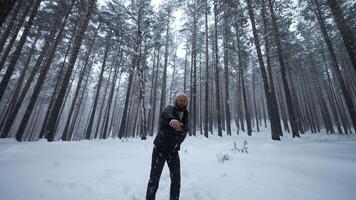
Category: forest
<point>97,69</point>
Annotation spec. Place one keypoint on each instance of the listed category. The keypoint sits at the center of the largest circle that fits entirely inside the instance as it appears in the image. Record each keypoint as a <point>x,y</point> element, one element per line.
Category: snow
<point>316,166</point>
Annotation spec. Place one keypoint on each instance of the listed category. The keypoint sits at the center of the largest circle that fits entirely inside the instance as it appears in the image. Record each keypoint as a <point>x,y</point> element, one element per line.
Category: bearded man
<point>173,128</point>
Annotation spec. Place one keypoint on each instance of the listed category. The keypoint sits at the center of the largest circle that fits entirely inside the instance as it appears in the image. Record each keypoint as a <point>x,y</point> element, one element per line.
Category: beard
<point>181,108</point>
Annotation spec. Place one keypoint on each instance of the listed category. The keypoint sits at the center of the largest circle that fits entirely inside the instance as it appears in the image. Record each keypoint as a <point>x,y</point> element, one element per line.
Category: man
<point>173,128</point>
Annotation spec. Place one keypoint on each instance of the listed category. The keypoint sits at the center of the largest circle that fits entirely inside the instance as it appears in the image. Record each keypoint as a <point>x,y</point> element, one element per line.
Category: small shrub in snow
<point>222,157</point>
<point>243,149</point>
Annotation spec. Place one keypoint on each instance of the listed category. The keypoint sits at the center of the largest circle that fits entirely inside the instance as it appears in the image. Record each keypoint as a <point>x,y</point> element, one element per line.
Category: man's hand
<point>176,125</point>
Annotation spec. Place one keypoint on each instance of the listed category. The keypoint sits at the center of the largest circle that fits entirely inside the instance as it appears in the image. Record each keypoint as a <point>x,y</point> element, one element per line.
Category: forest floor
<point>315,166</point>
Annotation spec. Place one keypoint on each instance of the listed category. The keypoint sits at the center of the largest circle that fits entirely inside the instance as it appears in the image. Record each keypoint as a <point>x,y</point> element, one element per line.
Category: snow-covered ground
<point>316,166</point>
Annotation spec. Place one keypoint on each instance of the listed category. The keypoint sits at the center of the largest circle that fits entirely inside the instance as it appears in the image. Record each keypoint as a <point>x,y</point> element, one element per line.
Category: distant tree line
<point>81,69</point>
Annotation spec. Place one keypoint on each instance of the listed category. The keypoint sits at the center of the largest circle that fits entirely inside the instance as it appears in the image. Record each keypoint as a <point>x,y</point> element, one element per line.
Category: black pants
<point>158,160</point>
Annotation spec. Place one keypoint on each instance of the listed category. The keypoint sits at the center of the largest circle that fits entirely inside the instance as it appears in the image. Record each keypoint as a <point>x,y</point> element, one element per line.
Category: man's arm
<point>166,115</point>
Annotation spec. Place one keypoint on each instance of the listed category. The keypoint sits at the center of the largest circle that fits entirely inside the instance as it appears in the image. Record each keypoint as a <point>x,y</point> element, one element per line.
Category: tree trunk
<point>16,92</point>
<point>98,87</point>
<point>77,110</point>
<point>292,118</point>
<point>81,77</point>
<point>274,131</point>
<point>29,80</point>
<point>11,23</point>
<point>165,65</point>
<point>344,29</point>
<point>270,74</point>
<point>49,129</point>
<point>98,134</point>
<point>217,85</point>
<point>226,71</point>
<point>241,74</point>
<point>42,77</point>
<point>5,9</point>
<point>111,94</point>
<point>254,99</point>
<point>142,104</point>
<point>10,69</point>
<point>12,41</point>
<point>206,115</point>
<point>56,88</point>
<point>337,71</point>
<point>153,75</point>
<point>153,115</point>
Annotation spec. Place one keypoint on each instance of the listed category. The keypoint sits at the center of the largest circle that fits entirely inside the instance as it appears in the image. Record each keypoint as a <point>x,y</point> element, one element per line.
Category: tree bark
<point>9,26</point>
<point>5,9</point>
<point>81,77</point>
<point>98,87</point>
<point>335,65</point>
<point>217,85</point>
<point>165,65</point>
<point>10,69</point>
<point>344,29</point>
<point>49,129</point>
<point>42,77</point>
<point>226,71</point>
<point>12,41</point>
<point>292,117</point>
<point>206,115</point>
<point>274,131</point>
<point>269,72</point>
<point>29,80</point>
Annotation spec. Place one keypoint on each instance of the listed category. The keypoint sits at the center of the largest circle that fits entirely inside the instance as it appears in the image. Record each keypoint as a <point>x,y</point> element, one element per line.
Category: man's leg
<point>174,169</point>
<point>156,171</point>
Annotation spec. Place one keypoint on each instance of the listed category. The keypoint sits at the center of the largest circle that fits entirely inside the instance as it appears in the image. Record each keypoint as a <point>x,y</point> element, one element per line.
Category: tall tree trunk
<point>97,133</point>
<point>77,110</point>
<point>10,69</point>
<point>135,64</point>
<point>165,65</point>
<point>337,71</point>
<point>5,9</point>
<point>217,85</point>
<point>328,88</point>
<point>81,77</point>
<point>29,80</point>
<point>241,71</point>
<point>325,112</point>
<point>185,70</point>
<point>206,115</point>
<point>274,131</point>
<point>226,70</point>
<point>49,130</point>
<point>194,70</point>
<point>344,29</point>
<point>270,74</point>
<point>42,77</point>
<point>98,87</point>
<point>153,115</point>
<point>292,117</point>
<point>16,91</point>
<point>11,23</point>
<point>153,75</point>
<point>112,125</point>
<point>12,41</point>
<point>254,99</point>
<point>111,94</point>
<point>142,105</point>
<point>56,88</point>
<point>171,87</point>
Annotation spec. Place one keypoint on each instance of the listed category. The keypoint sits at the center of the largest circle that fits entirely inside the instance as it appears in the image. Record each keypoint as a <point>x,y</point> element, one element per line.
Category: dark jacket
<point>168,139</point>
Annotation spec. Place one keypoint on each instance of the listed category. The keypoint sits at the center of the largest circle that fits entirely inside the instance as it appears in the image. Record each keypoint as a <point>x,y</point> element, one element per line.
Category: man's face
<point>182,102</point>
